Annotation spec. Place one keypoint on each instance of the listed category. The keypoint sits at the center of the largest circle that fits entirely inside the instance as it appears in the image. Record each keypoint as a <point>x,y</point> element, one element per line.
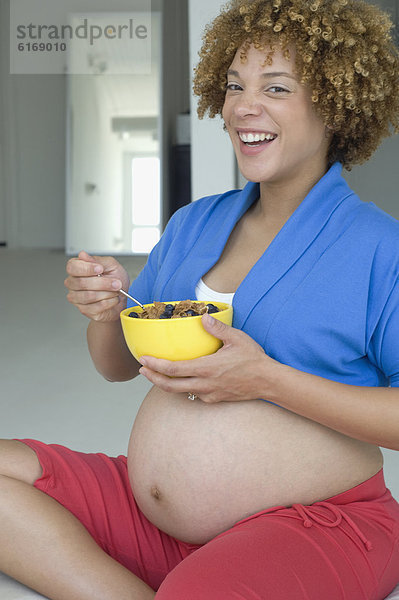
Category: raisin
<point>212,309</point>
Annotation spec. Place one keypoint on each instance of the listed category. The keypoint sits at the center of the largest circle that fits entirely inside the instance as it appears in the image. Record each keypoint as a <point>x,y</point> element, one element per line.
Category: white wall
<point>212,157</point>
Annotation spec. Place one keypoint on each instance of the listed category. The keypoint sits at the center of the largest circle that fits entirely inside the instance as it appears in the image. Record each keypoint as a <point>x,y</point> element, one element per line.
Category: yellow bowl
<point>173,339</point>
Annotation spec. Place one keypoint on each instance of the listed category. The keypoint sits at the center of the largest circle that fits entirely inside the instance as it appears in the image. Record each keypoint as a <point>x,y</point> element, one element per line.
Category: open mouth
<point>256,139</point>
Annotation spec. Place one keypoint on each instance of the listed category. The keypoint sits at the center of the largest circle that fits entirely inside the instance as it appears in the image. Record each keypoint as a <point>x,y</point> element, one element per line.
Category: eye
<point>233,87</point>
<point>277,89</point>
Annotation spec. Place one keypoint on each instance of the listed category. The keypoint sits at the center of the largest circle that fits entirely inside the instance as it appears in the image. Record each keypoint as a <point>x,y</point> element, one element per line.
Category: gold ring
<point>191,396</point>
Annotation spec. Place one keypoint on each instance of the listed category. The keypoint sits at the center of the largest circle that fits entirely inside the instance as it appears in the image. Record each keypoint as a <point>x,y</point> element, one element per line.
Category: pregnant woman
<point>253,473</point>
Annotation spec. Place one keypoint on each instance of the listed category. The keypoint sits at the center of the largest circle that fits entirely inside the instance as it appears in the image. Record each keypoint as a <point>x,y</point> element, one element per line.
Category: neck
<point>279,200</point>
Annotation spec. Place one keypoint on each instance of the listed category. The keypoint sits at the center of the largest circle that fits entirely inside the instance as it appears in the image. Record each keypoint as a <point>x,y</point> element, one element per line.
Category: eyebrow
<point>265,75</point>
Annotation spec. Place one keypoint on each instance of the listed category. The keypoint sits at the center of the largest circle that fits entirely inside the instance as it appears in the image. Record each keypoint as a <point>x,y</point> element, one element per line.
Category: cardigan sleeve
<point>386,338</point>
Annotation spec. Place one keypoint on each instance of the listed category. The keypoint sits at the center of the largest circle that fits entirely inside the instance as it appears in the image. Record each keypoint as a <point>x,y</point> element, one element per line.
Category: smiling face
<point>277,136</point>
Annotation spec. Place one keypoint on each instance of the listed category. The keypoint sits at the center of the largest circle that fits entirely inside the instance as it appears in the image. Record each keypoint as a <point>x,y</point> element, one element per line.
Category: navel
<point>155,493</point>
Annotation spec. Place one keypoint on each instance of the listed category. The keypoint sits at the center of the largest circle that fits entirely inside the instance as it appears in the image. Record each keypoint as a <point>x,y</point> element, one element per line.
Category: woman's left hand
<point>236,372</point>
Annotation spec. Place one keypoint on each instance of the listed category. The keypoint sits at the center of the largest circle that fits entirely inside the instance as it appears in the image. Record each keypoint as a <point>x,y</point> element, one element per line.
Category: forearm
<point>109,351</point>
<point>370,414</point>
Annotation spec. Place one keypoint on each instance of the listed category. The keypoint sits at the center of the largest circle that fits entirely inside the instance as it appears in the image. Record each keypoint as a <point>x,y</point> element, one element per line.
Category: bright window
<point>146,209</point>
<point>144,239</point>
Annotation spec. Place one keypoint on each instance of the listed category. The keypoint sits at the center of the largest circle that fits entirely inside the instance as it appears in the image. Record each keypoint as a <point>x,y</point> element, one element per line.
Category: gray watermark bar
<point>80,37</point>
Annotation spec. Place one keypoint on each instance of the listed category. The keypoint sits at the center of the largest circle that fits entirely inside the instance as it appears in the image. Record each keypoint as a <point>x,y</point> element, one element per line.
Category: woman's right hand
<point>93,283</point>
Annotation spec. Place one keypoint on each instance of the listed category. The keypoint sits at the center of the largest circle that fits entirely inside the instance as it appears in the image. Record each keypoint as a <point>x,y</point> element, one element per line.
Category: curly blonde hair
<point>345,53</point>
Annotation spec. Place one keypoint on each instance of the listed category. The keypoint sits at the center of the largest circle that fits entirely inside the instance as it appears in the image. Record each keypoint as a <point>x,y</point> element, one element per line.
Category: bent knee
<point>19,461</point>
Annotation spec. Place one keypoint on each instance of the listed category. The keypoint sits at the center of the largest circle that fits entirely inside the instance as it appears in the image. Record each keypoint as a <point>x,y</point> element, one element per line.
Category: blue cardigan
<point>324,296</point>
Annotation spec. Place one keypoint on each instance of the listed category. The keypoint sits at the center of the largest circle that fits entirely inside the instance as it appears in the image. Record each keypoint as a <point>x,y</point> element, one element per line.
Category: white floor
<point>49,389</point>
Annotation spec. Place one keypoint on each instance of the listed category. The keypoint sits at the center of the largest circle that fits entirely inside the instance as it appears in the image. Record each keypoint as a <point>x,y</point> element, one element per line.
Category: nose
<point>247,104</point>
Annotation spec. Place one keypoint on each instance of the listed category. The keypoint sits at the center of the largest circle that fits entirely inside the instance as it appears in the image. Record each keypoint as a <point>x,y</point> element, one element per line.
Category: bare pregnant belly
<point>196,469</point>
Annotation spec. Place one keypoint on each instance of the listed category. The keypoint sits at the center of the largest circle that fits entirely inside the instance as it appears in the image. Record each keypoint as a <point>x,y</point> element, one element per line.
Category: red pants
<point>346,548</point>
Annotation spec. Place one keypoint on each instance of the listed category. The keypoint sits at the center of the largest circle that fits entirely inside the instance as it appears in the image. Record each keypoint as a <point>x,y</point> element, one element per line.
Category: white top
<point>206,294</point>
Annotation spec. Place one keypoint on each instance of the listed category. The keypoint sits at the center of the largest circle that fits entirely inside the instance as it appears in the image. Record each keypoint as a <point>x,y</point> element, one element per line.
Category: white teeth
<point>256,137</point>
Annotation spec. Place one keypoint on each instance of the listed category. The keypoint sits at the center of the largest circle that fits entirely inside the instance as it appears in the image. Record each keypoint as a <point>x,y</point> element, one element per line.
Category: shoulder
<point>365,220</point>
<point>377,228</point>
<point>376,251</point>
<point>368,239</point>
<point>378,219</point>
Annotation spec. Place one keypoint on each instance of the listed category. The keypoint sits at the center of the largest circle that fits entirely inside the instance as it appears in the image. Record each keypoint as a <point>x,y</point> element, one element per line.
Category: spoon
<point>130,297</point>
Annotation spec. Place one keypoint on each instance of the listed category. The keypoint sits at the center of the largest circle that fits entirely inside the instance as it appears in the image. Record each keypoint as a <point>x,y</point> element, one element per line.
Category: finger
<point>219,329</point>
<point>83,255</point>
<point>109,263</point>
<point>176,368</point>
<point>104,284</point>
<point>82,268</point>
<point>183,385</point>
<point>230,336</point>
<point>98,310</point>
<point>83,298</point>
<point>170,384</point>
<point>97,260</point>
